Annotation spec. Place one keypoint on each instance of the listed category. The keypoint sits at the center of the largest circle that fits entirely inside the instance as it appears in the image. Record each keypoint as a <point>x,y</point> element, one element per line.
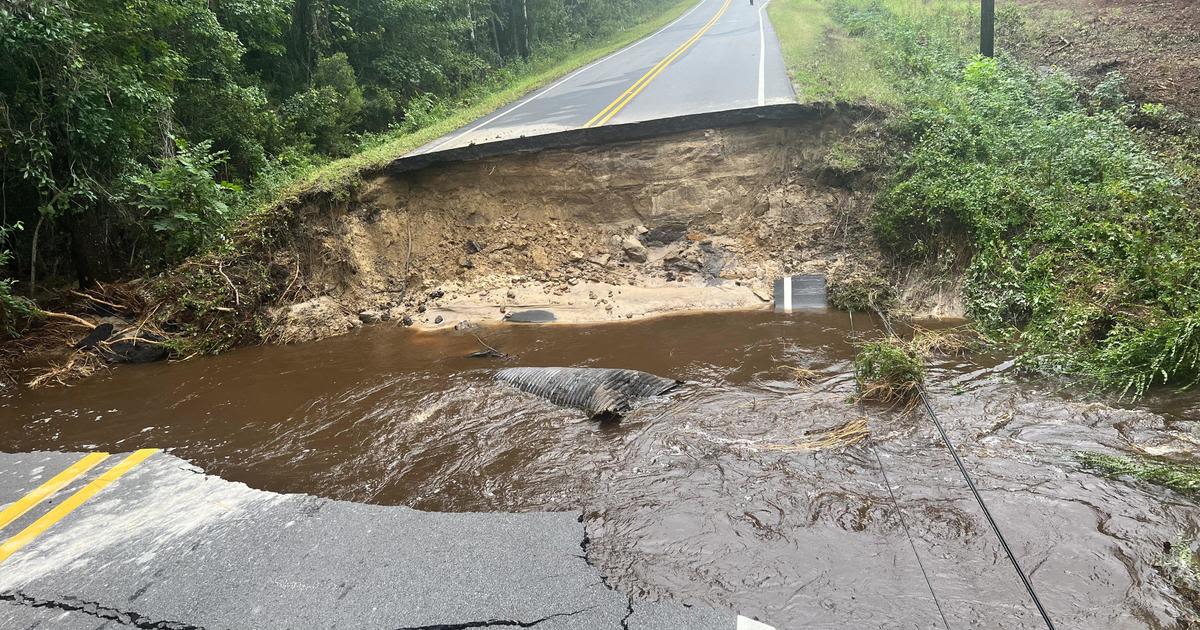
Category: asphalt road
<point>160,544</point>
<point>719,55</point>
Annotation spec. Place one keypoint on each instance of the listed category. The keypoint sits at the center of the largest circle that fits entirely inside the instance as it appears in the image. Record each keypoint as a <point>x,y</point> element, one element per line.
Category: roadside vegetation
<point>826,63</point>
<point>1071,211</point>
<point>889,370</point>
<point>134,135</point>
<point>1178,477</point>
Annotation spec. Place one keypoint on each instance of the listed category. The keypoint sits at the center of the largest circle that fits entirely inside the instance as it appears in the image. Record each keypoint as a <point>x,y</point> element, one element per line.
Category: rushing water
<point>700,497</point>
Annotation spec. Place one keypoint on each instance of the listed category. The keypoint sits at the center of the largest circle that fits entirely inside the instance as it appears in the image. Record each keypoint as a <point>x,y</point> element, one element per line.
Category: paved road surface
<point>156,543</point>
<point>720,55</point>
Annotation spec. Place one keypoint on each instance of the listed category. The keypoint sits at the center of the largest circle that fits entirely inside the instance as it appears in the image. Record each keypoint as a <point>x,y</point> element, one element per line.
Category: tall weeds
<point>1079,241</point>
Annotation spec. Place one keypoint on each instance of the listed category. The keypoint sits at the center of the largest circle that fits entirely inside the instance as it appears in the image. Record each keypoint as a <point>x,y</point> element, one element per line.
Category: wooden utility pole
<point>987,28</point>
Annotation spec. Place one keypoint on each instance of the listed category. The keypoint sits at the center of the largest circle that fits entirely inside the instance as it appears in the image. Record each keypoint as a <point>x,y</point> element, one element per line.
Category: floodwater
<point>702,496</point>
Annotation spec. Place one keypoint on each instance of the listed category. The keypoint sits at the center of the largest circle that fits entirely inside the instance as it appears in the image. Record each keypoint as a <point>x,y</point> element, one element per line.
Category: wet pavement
<point>705,497</point>
<point>168,546</point>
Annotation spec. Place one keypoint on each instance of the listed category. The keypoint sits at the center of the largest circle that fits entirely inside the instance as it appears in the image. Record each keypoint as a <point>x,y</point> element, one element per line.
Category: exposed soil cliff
<point>699,219</point>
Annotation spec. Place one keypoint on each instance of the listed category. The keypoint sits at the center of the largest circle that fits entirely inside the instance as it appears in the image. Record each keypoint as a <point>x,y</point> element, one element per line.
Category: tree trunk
<point>471,22</point>
<point>496,38</point>
<point>514,30</point>
<point>33,254</point>
<point>525,28</point>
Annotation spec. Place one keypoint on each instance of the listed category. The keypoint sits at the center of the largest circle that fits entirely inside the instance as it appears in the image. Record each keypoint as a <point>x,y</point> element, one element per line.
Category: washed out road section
<point>166,545</point>
<point>720,55</point>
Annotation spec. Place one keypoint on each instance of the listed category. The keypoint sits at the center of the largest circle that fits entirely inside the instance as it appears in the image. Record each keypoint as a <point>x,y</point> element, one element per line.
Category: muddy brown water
<point>698,497</point>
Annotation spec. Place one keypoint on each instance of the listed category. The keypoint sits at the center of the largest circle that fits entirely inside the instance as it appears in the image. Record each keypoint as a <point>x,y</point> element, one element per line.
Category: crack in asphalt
<point>628,613</point>
<point>584,544</point>
<point>492,623</point>
<point>137,620</point>
<point>123,617</point>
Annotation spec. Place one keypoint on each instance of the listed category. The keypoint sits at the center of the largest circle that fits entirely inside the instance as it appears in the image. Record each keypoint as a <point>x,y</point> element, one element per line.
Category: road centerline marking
<point>455,137</point>
<point>60,511</point>
<point>18,508</point>
<point>628,95</point>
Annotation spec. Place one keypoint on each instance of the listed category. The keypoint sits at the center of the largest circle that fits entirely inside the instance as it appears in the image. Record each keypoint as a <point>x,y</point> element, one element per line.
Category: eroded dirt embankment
<point>691,220</point>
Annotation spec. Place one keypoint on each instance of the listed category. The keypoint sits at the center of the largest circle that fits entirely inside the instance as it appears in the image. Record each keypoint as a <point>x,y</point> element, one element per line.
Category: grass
<point>340,175</point>
<point>889,371</point>
<point>857,289</point>
<point>1178,477</point>
<point>848,434</point>
<point>1079,239</point>
<point>823,61</point>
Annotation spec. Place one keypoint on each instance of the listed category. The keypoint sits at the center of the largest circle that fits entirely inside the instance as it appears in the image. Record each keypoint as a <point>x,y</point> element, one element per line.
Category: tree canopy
<point>128,130</point>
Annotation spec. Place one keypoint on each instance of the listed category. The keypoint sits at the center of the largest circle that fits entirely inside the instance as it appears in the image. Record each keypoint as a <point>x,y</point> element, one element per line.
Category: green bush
<point>1178,477</point>
<point>179,200</point>
<point>15,310</point>
<point>1082,242</point>
<point>888,370</point>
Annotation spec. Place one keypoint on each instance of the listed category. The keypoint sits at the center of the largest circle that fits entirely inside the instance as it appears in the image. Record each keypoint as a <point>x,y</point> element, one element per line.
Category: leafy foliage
<point>14,309</point>
<point>888,370</point>
<point>113,112</point>
<point>179,199</point>
<point>1078,239</point>
<point>1178,477</point>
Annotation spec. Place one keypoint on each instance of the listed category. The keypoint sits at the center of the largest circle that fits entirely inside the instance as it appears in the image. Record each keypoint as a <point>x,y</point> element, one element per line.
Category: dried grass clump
<point>948,342</point>
<point>802,375</point>
<point>847,434</point>
<point>78,366</point>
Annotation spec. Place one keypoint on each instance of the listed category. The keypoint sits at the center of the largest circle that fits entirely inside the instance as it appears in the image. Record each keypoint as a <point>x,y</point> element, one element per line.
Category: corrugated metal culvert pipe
<point>599,392</point>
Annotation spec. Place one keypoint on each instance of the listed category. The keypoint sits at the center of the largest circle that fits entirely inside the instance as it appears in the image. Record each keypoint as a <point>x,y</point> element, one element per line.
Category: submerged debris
<point>948,342</point>
<point>488,351</point>
<point>600,392</point>
<point>78,365</point>
<point>1180,564</point>
<point>840,436</point>
<point>848,434</point>
<point>802,375</point>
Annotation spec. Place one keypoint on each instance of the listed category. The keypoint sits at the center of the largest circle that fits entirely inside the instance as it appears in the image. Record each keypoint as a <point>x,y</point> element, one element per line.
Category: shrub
<point>1178,477</point>
<point>857,289</point>
<point>180,201</point>
<point>1082,242</point>
<point>324,114</point>
<point>15,310</point>
<point>888,370</point>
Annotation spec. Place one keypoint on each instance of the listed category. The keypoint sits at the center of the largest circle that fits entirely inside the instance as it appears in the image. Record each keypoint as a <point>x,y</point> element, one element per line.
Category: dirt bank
<point>1153,44</point>
<point>610,224</point>
<point>693,220</point>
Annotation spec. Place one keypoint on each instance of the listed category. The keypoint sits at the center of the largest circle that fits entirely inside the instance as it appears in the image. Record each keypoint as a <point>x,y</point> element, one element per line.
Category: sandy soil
<point>692,221</point>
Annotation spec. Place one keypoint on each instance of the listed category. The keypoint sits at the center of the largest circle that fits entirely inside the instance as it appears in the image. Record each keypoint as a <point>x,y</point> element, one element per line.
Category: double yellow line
<point>621,101</point>
<point>56,483</point>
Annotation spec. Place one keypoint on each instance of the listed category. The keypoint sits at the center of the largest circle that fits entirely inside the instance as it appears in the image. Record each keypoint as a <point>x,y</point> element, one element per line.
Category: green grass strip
<point>544,69</point>
<point>823,61</point>
<point>1178,477</point>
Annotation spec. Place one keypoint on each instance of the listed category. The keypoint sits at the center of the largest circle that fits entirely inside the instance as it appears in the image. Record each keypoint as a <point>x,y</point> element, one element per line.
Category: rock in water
<point>535,316</point>
<point>600,392</point>
<point>98,334</point>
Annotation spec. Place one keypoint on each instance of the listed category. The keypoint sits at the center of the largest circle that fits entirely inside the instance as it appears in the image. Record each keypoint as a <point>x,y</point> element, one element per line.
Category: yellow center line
<point>56,483</point>
<point>25,536</point>
<point>628,95</point>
